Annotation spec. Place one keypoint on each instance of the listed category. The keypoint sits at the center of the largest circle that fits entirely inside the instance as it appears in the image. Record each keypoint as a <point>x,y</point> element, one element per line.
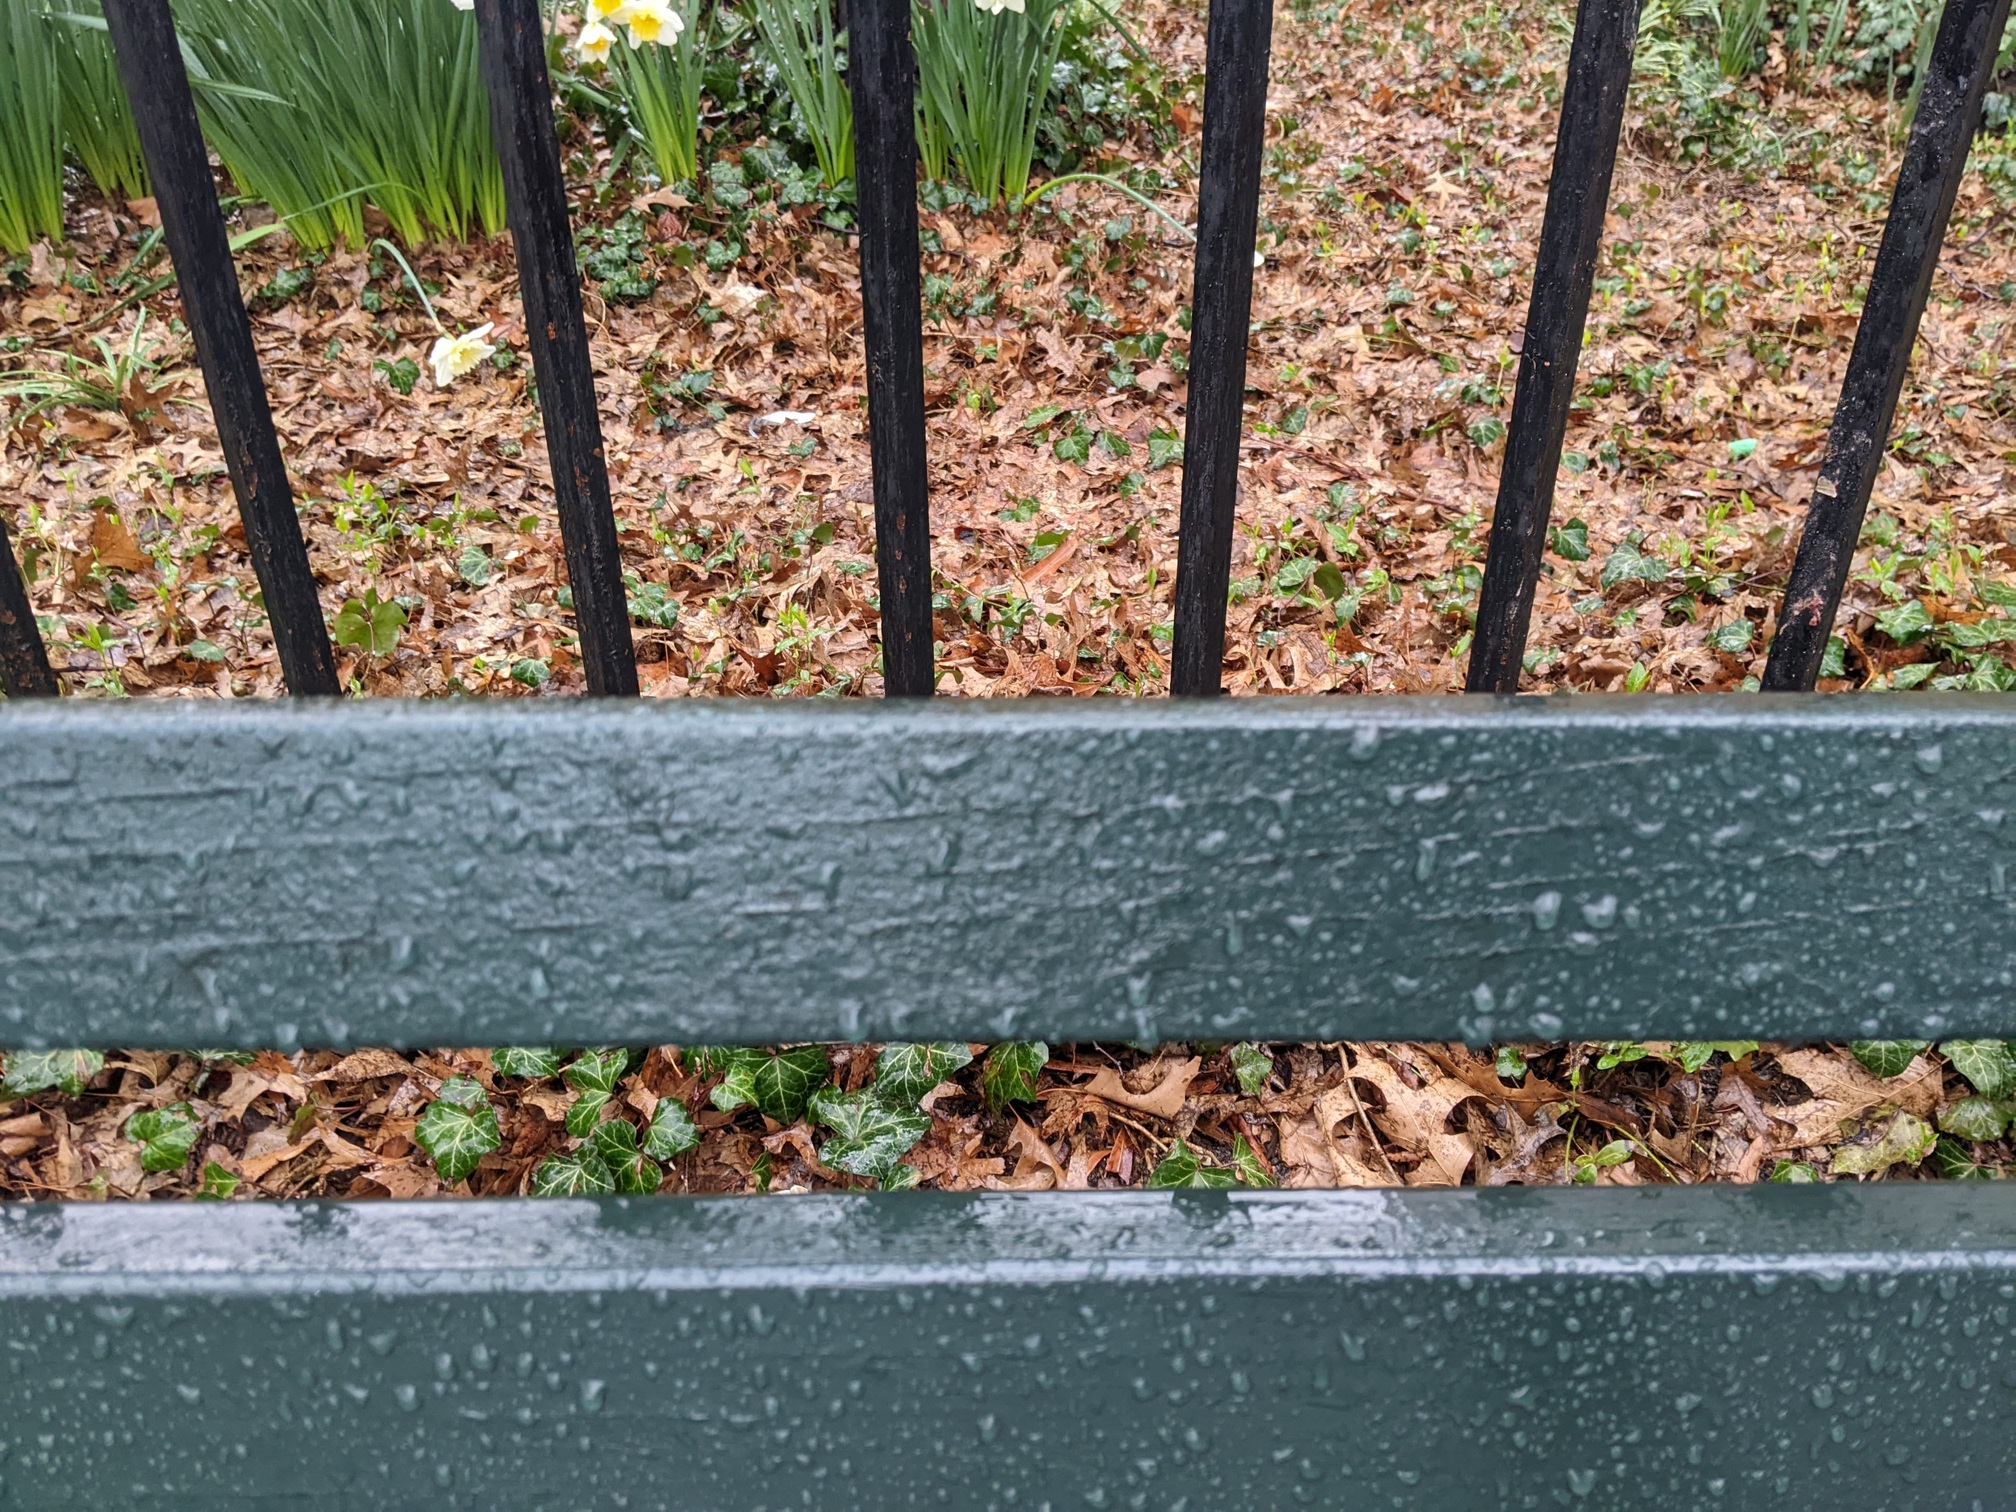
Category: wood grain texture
<point>150,66</point>
<point>1571,235</point>
<point>513,49</point>
<point>1935,157</point>
<point>882,75</point>
<point>1769,1349</point>
<point>1228,211</point>
<point>24,664</point>
<point>476,874</point>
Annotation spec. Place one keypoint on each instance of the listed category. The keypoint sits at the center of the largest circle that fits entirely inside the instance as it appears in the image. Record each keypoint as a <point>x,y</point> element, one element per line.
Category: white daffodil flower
<point>652,21</point>
<point>463,4</point>
<point>996,7</point>
<point>608,10</point>
<point>594,42</point>
<point>454,356</point>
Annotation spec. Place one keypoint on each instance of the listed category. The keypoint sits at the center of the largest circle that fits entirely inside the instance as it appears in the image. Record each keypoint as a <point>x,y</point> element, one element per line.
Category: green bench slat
<point>456,873</point>
<point>1830,1348</point>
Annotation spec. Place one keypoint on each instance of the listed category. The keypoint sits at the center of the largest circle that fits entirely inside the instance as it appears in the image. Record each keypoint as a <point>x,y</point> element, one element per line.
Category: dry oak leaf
<point>1415,1118</point>
<point>1315,1156</point>
<point>403,1180</point>
<point>1165,1101</point>
<point>367,1065</point>
<point>113,544</point>
<point>267,1149</point>
<point>1036,1166</point>
<point>1843,1090</point>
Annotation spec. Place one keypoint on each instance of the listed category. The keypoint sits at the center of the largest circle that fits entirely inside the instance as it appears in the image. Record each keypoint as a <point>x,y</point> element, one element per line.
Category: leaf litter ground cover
<point>1016,1116</point>
<point>1405,174</point>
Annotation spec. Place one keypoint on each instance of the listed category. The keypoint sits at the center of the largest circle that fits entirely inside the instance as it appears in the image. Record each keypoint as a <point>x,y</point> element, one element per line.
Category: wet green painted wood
<point>468,874</point>
<point>1834,1349</point>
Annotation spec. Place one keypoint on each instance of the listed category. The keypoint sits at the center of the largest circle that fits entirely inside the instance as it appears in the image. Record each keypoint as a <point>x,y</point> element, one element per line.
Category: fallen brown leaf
<point>1165,1101</point>
<point>1843,1089</point>
<point>1414,1118</point>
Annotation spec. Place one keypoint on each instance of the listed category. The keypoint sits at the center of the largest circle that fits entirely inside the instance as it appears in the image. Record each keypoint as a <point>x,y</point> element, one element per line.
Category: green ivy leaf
<point>1905,623</point>
<point>635,1173</point>
<point>1570,541</point>
<point>165,1136</point>
<point>1900,1139</point>
<point>578,1173</point>
<point>712,1060</point>
<point>1252,1065</point>
<point>535,1061</point>
<point>218,1183</point>
<point>902,1179</point>
<point>1955,1161</point>
<point>1181,1168</point>
<point>1510,1064</point>
<point>904,1073</point>
<point>1794,1173</point>
<point>672,1132</point>
<point>1887,1057</point>
<point>1733,637</point>
<point>784,1081</point>
<point>1164,447</point>
<point>737,1089</point>
<point>871,1135</point>
<point>593,1077</point>
<point>1629,565</point>
<point>1246,1164</point>
<point>69,1071</point>
<point>1692,1055</point>
<point>458,1129</point>
<point>1011,1070</point>
<point>1977,1118</point>
<point>1986,1064</point>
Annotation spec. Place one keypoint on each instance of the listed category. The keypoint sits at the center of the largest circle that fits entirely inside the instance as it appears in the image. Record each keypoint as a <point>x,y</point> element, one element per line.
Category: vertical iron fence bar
<point>24,665</point>
<point>1571,235</point>
<point>882,75</point>
<point>513,47</point>
<point>1949,113</point>
<point>1221,312</point>
<point>150,66</point>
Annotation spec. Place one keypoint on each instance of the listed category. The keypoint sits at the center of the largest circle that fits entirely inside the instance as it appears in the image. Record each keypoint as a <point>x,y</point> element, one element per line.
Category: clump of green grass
<point>318,105</point>
<point>31,130</point>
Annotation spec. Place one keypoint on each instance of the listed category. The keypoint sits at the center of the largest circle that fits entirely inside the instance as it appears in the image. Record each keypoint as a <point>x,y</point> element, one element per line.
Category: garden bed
<point>1400,205</point>
<point>1012,1117</point>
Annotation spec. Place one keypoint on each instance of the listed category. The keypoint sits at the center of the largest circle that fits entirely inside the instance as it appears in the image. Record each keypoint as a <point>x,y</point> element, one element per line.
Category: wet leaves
<point>27,1071</point>
<point>1011,1071</point>
<point>575,1173</point>
<point>1890,1139</point>
<point>871,1135</point>
<point>379,1123</point>
<point>166,1136</point>
<point>458,1129</point>
<point>777,1083</point>
<point>904,1073</point>
<point>1887,1057</point>
<point>671,1131</point>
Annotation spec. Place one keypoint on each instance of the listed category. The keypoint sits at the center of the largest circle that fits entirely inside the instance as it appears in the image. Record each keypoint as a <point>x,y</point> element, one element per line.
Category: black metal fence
<point>882,76</point>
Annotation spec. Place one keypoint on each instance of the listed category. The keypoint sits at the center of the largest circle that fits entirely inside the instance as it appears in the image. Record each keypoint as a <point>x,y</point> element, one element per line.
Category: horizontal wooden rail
<point>1831,1349</point>
<point>1321,869</point>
